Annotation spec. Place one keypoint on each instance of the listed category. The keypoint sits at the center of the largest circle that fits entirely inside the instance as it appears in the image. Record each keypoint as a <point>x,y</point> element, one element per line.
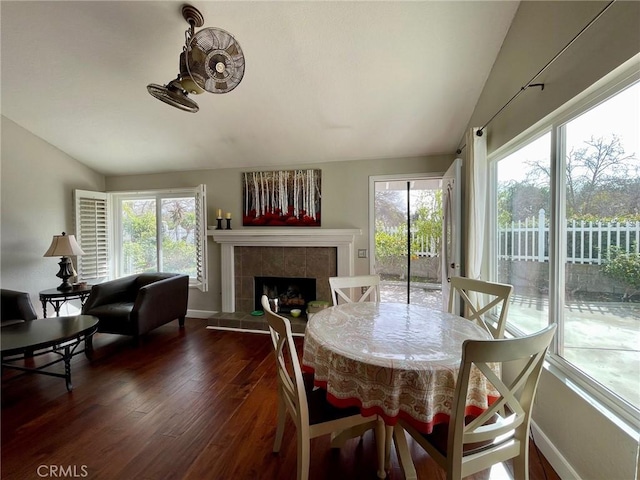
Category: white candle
<point>219,213</point>
<point>229,215</point>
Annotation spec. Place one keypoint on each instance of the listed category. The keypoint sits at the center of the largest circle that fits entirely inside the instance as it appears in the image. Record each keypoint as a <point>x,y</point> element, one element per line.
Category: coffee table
<point>60,335</point>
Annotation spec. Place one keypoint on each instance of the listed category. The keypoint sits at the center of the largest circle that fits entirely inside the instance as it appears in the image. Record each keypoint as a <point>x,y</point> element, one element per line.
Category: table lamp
<point>64,246</point>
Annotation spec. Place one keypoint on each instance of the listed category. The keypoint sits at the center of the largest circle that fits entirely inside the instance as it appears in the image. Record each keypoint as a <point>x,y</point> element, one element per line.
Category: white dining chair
<point>309,409</point>
<point>480,299</point>
<point>367,288</point>
<point>467,445</point>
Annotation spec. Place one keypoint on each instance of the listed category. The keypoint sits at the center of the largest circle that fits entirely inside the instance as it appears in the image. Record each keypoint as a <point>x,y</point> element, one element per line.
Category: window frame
<point>555,123</point>
<point>114,227</point>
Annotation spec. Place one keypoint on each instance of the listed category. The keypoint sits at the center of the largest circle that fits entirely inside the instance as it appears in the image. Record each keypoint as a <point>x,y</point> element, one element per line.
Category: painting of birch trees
<point>288,198</point>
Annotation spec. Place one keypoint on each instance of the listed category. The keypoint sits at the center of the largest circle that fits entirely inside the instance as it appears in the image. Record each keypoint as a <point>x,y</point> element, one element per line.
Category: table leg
<point>388,438</point>
<point>88,347</point>
<point>67,367</point>
<point>57,305</point>
<point>44,307</point>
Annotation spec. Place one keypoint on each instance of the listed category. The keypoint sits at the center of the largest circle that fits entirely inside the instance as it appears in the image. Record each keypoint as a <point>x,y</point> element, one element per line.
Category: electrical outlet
<point>362,253</point>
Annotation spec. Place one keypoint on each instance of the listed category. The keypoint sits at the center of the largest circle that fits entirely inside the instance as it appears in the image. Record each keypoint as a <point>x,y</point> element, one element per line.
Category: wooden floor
<point>184,404</point>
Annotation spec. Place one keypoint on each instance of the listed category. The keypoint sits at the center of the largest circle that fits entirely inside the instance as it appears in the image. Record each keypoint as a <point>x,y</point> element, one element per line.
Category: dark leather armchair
<point>16,307</point>
<point>136,304</point>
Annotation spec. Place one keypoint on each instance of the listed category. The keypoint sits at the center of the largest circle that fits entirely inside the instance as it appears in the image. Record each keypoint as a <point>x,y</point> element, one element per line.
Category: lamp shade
<point>63,246</point>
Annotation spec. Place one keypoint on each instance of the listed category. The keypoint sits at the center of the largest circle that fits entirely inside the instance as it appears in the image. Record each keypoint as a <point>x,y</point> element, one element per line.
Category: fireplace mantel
<point>343,239</point>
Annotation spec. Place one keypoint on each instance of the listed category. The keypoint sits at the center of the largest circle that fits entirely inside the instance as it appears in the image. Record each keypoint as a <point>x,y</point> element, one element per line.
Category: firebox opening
<point>290,292</point>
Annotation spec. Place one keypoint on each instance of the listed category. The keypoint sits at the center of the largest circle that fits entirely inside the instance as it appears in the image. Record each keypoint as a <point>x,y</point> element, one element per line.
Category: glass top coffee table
<point>60,336</point>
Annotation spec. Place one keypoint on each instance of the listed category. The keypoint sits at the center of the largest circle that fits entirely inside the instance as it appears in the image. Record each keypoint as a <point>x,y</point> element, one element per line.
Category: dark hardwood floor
<point>183,404</point>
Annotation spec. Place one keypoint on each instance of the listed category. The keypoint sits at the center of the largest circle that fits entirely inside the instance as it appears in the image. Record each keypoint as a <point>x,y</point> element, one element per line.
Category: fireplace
<point>290,292</point>
<point>332,253</point>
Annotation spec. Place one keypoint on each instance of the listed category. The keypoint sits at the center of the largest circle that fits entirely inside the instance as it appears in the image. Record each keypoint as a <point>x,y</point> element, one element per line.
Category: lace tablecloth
<point>394,360</point>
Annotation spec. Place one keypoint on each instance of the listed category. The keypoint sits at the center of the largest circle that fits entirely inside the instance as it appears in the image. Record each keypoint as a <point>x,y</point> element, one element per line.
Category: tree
<point>596,173</point>
<point>521,200</point>
<point>390,207</point>
<point>139,236</point>
<point>427,220</point>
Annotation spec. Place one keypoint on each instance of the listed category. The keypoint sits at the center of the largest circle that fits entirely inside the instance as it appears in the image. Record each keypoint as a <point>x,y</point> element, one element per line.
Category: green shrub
<point>624,267</point>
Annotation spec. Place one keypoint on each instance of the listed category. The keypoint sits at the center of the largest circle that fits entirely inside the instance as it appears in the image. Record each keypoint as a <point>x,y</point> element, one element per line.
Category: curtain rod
<point>541,85</point>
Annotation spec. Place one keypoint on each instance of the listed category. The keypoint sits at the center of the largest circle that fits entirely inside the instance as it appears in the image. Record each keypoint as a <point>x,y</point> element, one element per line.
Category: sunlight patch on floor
<point>499,472</point>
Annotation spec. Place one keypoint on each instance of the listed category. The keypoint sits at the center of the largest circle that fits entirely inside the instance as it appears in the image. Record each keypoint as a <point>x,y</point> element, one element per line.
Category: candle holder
<point>219,227</point>
<point>228,224</point>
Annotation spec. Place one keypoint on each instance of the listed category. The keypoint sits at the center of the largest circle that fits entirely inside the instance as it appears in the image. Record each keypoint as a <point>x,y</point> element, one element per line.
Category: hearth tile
<point>317,266</point>
<point>273,266</point>
<point>237,263</point>
<point>323,289</point>
<point>295,265</point>
<point>296,251</point>
<point>247,288</point>
<point>333,262</point>
<point>260,324</point>
<point>245,304</point>
<point>238,285</point>
<point>252,262</point>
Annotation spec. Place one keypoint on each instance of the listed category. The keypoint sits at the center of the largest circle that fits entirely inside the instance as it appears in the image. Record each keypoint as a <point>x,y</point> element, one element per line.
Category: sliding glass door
<point>407,235</point>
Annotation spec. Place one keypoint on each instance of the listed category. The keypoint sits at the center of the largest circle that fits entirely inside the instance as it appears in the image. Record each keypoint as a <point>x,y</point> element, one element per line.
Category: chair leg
<point>404,455</point>
<point>521,466</point>
<point>282,416</point>
<point>380,446</point>
<point>303,454</point>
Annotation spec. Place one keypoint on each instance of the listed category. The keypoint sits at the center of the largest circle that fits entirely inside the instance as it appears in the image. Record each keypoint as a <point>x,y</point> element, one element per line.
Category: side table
<point>58,297</point>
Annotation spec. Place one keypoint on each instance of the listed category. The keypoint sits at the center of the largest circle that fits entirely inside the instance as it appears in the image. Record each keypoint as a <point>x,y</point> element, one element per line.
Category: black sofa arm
<point>16,306</point>
<point>161,302</point>
<point>112,291</point>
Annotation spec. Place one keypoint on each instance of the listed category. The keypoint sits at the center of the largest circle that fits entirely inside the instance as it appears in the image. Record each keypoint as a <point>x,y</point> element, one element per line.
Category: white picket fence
<point>587,242</point>
<point>527,240</point>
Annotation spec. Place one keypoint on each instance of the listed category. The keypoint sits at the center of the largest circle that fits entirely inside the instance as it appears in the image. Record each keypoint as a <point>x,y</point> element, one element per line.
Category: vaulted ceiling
<point>324,81</point>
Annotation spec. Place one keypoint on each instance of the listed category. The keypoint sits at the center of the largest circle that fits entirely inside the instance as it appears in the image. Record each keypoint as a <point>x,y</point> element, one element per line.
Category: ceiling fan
<point>211,61</point>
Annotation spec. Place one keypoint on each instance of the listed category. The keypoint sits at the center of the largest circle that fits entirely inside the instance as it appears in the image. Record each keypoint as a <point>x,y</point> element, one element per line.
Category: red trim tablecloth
<point>394,360</point>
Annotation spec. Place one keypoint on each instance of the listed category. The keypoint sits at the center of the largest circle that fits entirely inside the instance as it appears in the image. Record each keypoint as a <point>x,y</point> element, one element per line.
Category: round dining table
<point>394,360</point>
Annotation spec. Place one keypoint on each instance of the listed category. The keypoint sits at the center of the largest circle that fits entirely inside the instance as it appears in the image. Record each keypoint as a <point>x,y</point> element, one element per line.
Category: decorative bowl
<point>295,312</point>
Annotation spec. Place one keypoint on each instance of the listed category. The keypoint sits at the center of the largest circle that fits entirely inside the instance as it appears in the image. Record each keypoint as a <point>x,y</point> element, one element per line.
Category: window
<point>162,230</point>
<point>566,218</point>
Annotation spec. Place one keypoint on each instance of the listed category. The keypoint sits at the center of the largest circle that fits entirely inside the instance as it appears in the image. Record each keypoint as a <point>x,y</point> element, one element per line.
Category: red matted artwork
<point>283,198</point>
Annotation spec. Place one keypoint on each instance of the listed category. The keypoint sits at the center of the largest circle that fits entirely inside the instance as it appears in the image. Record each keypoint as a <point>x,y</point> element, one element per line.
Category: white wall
<point>345,197</point>
<point>37,202</point>
<point>584,441</point>
<point>538,32</point>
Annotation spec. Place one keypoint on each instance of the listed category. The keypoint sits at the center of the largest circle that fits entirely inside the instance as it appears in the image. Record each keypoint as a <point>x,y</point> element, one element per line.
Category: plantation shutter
<point>92,235</point>
<point>202,282</point>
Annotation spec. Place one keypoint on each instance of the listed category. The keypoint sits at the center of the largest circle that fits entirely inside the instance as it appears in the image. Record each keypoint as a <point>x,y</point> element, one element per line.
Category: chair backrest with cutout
<point>479,298</point>
<point>501,432</point>
<point>342,287</point>
<point>290,380</point>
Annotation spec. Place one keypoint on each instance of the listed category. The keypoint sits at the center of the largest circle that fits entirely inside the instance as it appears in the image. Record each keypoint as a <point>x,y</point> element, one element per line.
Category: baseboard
<point>200,313</point>
<point>553,455</point>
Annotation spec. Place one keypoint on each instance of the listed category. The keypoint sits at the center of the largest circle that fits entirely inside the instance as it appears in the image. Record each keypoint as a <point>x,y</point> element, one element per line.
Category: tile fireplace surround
<point>280,251</point>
